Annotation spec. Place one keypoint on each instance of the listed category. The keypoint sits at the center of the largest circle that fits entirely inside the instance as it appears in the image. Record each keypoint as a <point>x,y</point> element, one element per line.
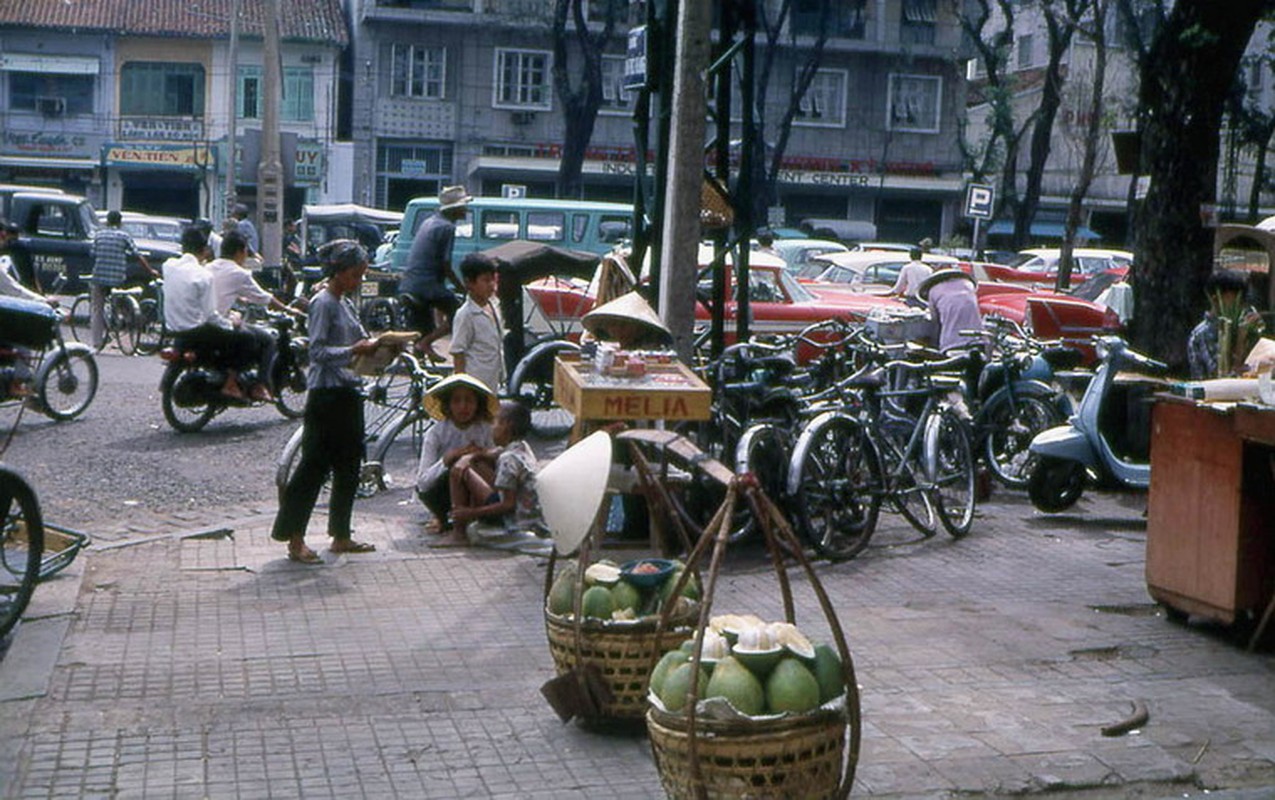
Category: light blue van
<point>593,227</point>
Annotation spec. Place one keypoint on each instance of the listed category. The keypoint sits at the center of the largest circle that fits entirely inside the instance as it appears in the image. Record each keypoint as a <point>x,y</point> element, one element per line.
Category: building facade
<point>134,110</point>
<point>460,91</point>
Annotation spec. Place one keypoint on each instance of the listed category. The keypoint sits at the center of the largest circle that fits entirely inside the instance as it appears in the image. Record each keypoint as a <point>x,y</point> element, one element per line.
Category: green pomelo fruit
<point>733,681</point>
<point>791,687</point>
<point>677,685</point>
<point>828,673</point>
<point>687,647</point>
<point>626,595</point>
<point>597,602</point>
<point>562,595</point>
<point>671,659</point>
<point>691,590</point>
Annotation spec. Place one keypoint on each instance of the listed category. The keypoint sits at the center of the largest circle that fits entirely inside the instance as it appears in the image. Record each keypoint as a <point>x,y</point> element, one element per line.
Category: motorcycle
<point>190,389</point>
<point>1106,443</point>
<point>38,366</point>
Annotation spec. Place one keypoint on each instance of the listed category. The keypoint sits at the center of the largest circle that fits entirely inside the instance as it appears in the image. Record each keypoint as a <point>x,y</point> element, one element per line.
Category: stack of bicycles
<point>834,425</point>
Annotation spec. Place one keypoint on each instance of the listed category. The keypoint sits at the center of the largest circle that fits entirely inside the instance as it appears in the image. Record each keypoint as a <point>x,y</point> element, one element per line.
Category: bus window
<point>579,227</point>
<point>464,229</point>
<point>612,229</point>
<point>500,225</point>
<point>545,226</point>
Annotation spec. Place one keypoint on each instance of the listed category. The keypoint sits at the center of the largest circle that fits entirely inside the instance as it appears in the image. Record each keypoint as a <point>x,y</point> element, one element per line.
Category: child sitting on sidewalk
<point>464,408</point>
<point>498,483</point>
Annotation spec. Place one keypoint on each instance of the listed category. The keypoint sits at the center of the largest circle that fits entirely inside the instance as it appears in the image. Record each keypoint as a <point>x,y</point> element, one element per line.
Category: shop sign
<point>305,155</point>
<point>159,156</point>
<point>160,129</point>
<point>49,143</point>
<point>823,178</point>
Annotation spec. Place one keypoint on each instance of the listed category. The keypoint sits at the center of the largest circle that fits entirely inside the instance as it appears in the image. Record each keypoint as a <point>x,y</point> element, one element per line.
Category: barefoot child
<point>499,483</point>
<point>464,408</point>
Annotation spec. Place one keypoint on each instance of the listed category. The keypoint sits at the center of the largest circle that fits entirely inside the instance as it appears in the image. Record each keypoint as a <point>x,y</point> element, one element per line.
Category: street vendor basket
<point>702,751</point>
<point>624,656</point>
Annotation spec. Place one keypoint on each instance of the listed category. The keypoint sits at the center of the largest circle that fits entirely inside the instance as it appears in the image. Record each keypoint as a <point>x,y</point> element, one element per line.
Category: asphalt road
<point>120,470</point>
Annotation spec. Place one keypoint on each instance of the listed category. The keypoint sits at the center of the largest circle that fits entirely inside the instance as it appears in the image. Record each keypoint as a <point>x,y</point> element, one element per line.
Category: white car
<point>869,272</point>
<point>797,253</point>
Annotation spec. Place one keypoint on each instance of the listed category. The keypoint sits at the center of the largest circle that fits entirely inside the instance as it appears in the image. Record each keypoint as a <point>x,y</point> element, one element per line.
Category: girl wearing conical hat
<point>464,407</point>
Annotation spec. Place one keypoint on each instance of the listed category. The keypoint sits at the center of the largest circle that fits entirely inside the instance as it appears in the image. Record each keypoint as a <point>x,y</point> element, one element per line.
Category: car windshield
<point>1028,261</point>
<point>796,292</point>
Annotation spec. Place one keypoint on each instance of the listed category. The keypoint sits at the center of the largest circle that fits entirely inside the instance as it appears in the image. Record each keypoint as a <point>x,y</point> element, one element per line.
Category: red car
<point>1050,315</point>
<point>1040,266</point>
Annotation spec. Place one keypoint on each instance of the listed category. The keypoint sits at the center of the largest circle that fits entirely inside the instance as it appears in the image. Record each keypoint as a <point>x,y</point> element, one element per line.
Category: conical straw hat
<point>940,276</point>
<point>436,398</point>
<point>571,488</point>
<point>632,307</point>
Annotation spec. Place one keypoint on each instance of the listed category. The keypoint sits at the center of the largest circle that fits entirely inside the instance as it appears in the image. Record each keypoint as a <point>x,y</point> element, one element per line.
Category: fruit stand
<point>664,390</point>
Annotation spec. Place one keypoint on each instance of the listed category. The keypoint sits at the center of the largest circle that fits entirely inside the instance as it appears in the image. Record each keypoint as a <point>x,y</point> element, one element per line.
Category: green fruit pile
<point>609,596</point>
<point>789,676</point>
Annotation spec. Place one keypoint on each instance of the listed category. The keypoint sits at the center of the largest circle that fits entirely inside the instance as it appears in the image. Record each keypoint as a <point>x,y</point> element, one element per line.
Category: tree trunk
<point>1259,175</point>
<point>1184,85</point>
<point>1093,128</point>
<point>579,120</point>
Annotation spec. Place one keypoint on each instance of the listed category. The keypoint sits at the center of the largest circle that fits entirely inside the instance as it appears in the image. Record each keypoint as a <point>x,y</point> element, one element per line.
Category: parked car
<point>797,253</point>
<point>149,226</point>
<point>869,271</point>
<point>1050,315</point>
<point>1040,265</point>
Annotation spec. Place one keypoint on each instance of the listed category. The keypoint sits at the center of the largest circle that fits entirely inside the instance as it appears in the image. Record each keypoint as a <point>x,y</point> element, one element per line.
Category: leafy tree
<point>1185,77</point>
<point>574,45</point>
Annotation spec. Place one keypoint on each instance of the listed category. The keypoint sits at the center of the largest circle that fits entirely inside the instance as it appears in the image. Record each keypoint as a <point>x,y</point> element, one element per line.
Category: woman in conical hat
<point>464,408</point>
<point>629,321</point>
<point>953,299</point>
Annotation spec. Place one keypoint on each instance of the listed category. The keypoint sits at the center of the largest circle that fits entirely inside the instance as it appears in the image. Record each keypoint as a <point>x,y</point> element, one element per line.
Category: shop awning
<point>1049,230</point>
<point>39,162</point>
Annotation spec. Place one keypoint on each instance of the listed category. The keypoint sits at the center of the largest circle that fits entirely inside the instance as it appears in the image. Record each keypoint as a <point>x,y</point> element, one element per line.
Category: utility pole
<point>232,126</point>
<point>679,246</point>
<point>270,170</point>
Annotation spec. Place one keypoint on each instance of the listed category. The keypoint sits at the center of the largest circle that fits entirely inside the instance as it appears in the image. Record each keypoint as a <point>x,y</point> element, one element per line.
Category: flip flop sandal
<point>353,547</point>
<point>304,556</point>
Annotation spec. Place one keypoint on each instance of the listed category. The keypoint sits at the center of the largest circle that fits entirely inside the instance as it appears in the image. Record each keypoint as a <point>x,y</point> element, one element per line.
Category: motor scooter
<point>1106,443</point>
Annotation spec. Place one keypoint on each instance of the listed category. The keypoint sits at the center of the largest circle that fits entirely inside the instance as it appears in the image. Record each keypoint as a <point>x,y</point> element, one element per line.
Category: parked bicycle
<point>127,313</point>
<point>393,406</point>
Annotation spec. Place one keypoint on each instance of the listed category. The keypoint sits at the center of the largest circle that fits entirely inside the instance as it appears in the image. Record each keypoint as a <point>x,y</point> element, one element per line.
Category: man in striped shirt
<point>112,247</point>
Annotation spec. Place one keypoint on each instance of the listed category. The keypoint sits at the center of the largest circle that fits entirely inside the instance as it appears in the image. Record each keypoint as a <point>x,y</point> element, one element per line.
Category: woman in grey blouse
<point>332,441</point>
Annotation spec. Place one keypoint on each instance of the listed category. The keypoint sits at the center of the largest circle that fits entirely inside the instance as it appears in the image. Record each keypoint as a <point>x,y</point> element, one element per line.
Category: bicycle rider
<point>424,286</point>
<point>112,247</point>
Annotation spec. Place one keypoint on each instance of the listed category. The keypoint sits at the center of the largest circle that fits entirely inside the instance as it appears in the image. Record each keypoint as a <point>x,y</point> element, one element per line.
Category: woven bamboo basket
<point>812,755</point>
<point>625,655</point>
<point>791,757</point>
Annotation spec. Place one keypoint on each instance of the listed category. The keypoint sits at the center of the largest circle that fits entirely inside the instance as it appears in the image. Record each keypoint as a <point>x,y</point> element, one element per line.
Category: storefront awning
<point>1049,230</point>
<point>38,162</point>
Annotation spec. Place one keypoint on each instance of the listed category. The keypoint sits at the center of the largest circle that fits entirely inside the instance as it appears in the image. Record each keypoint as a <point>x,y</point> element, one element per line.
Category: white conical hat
<point>436,397</point>
<point>571,488</point>
<point>939,276</point>
<point>631,306</point>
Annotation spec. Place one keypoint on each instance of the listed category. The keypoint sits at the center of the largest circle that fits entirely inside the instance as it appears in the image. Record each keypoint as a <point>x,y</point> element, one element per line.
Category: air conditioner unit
<point>523,117</point>
<point>51,106</point>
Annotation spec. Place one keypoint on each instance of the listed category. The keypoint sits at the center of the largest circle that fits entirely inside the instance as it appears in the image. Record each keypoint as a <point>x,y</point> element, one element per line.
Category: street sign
<point>635,60</point>
<point>979,199</point>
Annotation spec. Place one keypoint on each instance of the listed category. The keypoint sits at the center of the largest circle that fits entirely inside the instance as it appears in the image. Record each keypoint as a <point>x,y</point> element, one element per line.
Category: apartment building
<point>460,91</point>
<point>130,103</point>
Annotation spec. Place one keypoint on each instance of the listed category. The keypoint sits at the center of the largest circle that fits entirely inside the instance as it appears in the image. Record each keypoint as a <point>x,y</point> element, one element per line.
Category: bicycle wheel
<point>907,490</point>
<point>68,383</point>
<point>380,314</point>
<point>838,481</point>
<point>397,445</point>
<point>531,381</point>
<point>950,462</point>
<point>150,327</point>
<point>1011,426</point>
<point>763,452</point>
<point>21,547</point>
<point>124,320</point>
<point>80,320</point>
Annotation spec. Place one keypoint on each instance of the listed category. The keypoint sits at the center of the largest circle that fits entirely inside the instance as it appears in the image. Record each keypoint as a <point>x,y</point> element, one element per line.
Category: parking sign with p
<point>979,199</point>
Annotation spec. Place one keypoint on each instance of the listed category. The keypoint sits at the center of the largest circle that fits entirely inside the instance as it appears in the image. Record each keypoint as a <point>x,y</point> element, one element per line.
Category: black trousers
<point>331,444</point>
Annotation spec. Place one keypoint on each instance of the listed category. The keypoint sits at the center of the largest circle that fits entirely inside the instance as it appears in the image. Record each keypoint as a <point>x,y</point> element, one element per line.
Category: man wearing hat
<point>423,287</point>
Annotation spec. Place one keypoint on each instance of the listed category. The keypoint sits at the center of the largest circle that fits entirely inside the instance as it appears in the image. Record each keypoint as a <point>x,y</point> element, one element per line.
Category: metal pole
<point>680,243</point>
<point>232,117</point>
<point>270,170</point>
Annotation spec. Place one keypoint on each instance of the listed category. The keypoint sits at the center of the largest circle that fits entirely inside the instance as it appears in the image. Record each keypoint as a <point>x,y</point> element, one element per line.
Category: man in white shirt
<point>190,311</point>
<point>233,283</point>
<point>910,277</point>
